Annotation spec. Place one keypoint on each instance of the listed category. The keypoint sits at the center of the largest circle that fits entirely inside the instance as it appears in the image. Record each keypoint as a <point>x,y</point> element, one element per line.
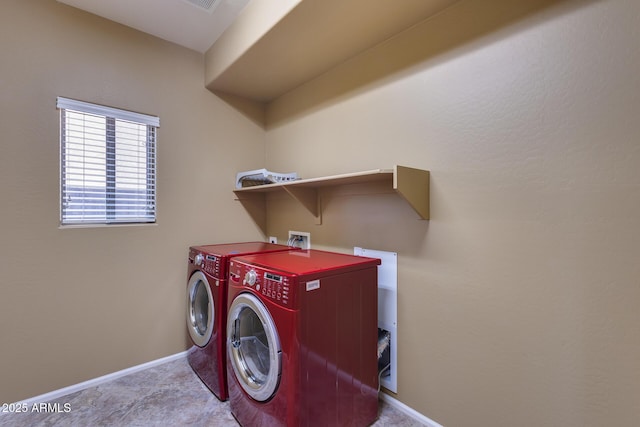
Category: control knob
<point>251,277</point>
<point>198,259</point>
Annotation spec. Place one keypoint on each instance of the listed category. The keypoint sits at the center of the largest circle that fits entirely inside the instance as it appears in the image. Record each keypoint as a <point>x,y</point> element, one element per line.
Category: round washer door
<point>254,347</point>
<point>200,309</point>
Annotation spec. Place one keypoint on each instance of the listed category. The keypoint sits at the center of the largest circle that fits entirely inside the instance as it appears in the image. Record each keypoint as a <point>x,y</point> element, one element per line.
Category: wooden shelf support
<point>256,205</point>
<point>413,185</point>
<point>307,197</point>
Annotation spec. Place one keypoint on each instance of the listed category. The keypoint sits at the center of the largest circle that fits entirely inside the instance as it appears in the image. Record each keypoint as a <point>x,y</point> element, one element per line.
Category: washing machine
<point>207,308</point>
<point>302,339</point>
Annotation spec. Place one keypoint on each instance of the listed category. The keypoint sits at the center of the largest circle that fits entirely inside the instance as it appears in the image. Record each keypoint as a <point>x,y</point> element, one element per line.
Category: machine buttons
<point>274,288</point>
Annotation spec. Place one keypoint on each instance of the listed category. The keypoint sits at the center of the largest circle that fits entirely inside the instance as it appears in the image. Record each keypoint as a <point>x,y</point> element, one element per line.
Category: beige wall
<point>254,22</point>
<point>518,300</point>
<point>79,303</point>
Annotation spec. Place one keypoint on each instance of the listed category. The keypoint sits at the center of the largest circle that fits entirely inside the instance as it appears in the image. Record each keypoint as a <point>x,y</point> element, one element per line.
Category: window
<point>107,164</point>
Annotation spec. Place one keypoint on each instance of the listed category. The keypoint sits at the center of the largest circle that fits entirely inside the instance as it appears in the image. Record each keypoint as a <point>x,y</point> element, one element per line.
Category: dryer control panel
<point>271,285</point>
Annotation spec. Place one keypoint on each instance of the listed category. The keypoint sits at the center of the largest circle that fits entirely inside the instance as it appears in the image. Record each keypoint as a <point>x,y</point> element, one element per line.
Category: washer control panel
<point>207,263</point>
<point>269,284</point>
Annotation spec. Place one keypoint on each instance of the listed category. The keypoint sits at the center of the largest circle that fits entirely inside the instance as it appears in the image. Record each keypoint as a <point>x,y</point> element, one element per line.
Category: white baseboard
<point>100,380</point>
<point>409,411</point>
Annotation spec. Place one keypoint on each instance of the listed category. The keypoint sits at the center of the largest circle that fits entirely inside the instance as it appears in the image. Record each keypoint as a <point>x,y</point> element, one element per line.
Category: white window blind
<point>107,164</point>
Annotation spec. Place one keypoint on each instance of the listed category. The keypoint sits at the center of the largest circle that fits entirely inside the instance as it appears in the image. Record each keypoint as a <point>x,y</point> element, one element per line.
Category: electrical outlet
<point>273,239</point>
<point>300,239</point>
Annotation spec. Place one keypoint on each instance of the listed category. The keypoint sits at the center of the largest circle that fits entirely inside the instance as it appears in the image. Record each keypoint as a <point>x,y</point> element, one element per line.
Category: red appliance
<point>207,308</point>
<point>302,339</point>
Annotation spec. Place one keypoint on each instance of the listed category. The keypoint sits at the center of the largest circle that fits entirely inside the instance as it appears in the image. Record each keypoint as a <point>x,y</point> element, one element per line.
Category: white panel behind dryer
<point>387,307</point>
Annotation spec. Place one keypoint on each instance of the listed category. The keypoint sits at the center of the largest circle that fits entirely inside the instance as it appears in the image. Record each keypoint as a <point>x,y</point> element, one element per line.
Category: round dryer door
<point>200,309</point>
<point>254,347</point>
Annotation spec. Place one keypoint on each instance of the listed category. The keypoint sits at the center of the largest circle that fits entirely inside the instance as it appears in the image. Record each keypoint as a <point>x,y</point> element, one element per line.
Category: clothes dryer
<point>207,308</point>
<point>302,339</point>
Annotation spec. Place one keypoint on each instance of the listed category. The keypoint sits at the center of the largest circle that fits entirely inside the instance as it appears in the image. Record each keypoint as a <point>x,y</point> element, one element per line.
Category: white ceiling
<point>178,21</point>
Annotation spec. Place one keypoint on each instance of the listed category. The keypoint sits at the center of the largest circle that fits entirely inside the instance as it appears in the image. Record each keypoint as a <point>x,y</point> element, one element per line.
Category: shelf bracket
<point>413,185</point>
<point>256,205</point>
<point>308,197</point>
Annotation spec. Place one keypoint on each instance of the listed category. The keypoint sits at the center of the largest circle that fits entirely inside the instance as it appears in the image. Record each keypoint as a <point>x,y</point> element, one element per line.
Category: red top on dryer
<point>309,262</point>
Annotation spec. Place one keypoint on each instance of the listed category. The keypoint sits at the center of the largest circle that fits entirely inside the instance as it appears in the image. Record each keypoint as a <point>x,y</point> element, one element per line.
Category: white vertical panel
<point>387,306</point>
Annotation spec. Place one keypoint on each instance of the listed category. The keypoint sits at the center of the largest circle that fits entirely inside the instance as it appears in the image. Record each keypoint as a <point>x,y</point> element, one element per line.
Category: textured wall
<point>518,300</point>
<point>83,302</point>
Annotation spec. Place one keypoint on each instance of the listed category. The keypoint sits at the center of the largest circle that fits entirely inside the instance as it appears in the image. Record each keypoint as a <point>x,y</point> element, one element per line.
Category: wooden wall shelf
<point>412,184</point>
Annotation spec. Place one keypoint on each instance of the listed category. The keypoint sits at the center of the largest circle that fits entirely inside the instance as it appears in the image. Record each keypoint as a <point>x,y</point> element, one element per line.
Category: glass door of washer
<point>254,347</point>
<point>200,309</point>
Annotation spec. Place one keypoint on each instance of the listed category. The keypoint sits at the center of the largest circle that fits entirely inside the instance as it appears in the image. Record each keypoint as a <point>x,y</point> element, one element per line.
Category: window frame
<point>112,118</point>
